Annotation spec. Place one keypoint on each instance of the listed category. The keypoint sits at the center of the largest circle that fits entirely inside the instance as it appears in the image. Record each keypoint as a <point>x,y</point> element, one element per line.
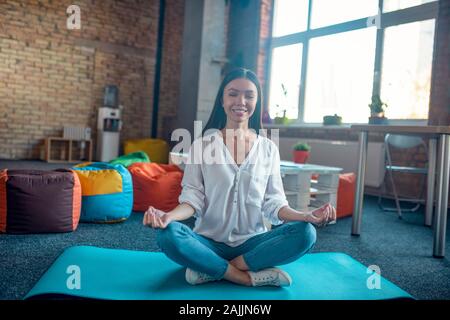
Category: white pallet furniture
<point>305,193</point>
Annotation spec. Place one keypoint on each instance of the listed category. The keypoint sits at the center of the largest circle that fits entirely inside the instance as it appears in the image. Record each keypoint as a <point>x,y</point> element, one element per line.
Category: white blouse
<point>230,201</point>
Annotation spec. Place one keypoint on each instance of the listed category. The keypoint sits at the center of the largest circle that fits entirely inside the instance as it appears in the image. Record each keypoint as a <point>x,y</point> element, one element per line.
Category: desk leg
<point>442,196</point>
<point>430,181</point>
<point>359,189</point>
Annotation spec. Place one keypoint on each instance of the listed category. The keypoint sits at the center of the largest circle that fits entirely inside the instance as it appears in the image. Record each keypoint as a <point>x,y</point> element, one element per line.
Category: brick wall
<point>171,68</point>
<point>439,113</point>
<point>51,76</point>
<point>264,44</point>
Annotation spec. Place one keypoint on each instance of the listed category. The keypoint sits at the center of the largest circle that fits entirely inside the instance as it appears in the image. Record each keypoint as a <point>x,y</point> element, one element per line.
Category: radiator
<point>342,154</point>
<point>77,133</point>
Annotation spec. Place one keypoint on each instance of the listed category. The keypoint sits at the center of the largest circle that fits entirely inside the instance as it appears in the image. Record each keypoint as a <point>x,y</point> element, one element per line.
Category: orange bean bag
<point>157,185</point>
<point>345,195</point>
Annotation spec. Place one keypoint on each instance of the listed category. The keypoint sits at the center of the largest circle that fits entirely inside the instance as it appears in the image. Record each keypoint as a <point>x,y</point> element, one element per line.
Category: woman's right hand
<point>155,218</point>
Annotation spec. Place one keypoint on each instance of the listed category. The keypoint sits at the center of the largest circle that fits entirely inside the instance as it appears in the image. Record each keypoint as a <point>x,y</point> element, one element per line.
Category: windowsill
<point>307,126</point>
<point>344,126</point>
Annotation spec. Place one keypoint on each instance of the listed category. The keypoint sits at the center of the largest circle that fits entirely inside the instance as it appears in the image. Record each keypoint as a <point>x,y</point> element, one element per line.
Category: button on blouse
<point>231,201</point>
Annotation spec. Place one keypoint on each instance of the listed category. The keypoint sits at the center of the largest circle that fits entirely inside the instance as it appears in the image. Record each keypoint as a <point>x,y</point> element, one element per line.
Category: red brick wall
<point>264,44</point>
<point>439,113</point>
<point>171,67</point>
<point>129,73</point>
<point>51,76</point>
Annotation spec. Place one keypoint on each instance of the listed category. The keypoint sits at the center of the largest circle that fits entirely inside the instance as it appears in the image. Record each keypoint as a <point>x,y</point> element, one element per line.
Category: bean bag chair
<point>107,192</point>
<point>83,164</point>
<point>156,149</point>
<point>345,195</point>
<point>157,185</point>
<point>128,159</point>
<point>36,201</point>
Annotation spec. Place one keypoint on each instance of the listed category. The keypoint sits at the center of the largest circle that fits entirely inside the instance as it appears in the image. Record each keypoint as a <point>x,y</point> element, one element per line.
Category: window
<point>330,58</point>
<point>328,12</point>
<point>285,81</point>
<point>406,71</point>
<point>340,75</point>
<point>290,16</point>
<point>392,5</point>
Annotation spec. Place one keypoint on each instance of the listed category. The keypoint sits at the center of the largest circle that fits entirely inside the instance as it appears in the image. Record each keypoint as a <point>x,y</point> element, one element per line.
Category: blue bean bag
<point>107,192</point>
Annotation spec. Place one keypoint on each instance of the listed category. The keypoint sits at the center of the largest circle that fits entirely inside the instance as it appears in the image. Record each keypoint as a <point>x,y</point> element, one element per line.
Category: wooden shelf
<point>66,150</point>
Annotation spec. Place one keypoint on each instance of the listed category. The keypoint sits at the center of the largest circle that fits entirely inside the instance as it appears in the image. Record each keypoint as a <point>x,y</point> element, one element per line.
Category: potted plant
<point>282,120</point>
<point>332,120</point>
<point>377,109</point>
<point>301,152</point>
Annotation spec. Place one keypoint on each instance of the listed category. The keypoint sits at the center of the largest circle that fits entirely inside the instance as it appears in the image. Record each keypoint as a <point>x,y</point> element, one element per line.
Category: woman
<point>231,195</point>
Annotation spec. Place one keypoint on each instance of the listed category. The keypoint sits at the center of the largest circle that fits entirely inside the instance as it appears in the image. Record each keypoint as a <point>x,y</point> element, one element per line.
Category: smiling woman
<point>239,100</point>
<point>231,198</point>
<point>240,83</point>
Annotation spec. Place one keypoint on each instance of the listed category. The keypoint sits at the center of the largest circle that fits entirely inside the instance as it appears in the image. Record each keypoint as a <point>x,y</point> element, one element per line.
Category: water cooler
<point>109,125</point>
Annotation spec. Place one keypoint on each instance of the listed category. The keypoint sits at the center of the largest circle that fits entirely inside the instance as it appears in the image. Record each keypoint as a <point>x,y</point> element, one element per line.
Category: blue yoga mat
<point>134,275</point>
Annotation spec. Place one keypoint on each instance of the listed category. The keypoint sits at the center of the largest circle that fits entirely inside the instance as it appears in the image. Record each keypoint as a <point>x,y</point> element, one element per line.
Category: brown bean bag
<point>157,185</point>
<point>36,201</point>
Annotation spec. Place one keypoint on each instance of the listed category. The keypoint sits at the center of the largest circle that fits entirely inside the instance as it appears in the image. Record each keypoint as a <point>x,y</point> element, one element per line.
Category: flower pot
<point>300,156</point>
<point>378,120</point>
<point>374,114</point>
<point>332,120</point>
<point>281,120</point>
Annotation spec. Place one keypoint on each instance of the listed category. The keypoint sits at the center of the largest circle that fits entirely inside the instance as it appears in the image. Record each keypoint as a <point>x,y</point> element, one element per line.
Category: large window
<point>294,11</point>
<point>330,56</point>
<point>406,71</point>
<point>328,12</point>
<point>285,81</point>
<point>392,5</point>
<point>331,87</point>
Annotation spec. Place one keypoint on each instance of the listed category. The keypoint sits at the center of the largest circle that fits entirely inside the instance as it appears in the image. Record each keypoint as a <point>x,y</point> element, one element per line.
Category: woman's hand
<point>155,218</point>
<point>323,215</point>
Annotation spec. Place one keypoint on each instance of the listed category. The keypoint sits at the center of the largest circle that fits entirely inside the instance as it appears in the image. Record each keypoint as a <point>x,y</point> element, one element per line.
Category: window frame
<point>418,13</point>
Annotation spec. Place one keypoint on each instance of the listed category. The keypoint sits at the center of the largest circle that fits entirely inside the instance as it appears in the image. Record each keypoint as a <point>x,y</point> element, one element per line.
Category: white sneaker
<point>194,277</point>
<point>270,277</point>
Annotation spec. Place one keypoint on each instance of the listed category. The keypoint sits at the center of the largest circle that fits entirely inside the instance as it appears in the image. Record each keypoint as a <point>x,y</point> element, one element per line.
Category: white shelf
<point>303,193</point>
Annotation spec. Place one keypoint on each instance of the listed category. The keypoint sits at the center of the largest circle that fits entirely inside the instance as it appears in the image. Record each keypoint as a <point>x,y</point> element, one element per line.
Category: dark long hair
<point>218,118</point>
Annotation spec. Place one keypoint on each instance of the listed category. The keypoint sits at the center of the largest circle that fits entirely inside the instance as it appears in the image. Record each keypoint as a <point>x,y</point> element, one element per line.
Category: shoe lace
<point>266,277</point>
<point>204,276</point>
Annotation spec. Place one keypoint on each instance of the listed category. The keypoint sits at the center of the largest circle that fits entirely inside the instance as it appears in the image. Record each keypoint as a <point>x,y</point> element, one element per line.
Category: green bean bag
<point>128,159</point>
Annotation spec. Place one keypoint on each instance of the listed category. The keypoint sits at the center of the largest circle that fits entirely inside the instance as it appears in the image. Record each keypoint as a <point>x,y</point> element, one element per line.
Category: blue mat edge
<point>30,295</point>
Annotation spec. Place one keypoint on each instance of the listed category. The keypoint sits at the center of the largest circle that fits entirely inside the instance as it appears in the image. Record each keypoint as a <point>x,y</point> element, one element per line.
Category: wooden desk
<point>439,157</point>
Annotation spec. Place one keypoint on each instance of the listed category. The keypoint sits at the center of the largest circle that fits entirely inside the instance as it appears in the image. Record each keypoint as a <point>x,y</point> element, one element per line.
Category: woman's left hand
<point>323,215</point>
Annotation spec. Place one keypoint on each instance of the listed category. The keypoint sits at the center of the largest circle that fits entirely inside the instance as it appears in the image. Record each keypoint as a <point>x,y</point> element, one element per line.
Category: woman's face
<point>239,100</point>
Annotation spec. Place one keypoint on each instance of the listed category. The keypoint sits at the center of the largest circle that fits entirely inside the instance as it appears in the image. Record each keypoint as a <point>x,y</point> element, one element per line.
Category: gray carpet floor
<point>401,248</point>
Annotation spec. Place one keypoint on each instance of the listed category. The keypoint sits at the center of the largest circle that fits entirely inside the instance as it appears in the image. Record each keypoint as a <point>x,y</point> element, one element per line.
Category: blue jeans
<point>279,246</point>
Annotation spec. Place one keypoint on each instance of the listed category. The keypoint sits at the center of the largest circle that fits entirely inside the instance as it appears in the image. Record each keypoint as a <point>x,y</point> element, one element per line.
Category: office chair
<point>402,142</point>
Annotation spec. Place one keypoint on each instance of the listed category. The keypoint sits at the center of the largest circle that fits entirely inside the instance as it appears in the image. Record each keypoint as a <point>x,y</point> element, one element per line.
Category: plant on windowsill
<point>301,152</point>
<point>377,110</point>
<point>332,120</point>
<point>282,120</point>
